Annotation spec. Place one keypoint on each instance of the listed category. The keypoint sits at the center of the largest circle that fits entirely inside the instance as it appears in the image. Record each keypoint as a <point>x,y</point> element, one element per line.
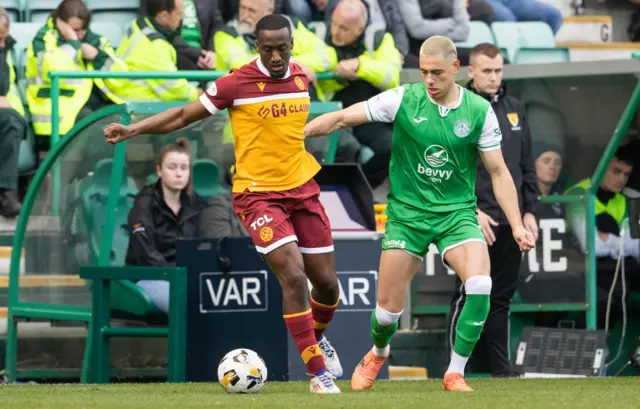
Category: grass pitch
<point>604,393</point>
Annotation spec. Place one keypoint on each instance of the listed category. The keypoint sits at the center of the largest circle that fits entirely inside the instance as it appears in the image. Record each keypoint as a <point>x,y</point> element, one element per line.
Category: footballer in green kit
<point>439,130</point>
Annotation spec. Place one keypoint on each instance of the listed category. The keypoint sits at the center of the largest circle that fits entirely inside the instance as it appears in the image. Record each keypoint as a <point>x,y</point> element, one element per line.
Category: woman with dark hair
<point>66,43</point>
<point>548,167</point>
<point>163,212</point>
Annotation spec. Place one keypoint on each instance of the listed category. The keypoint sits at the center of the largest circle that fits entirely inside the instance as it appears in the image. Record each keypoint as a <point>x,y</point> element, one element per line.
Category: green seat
<point>14,9</point>
<point>38,11</point>
<point>109,30</point>
<point>479,32</point>
<point>526,34</point>
<point>206,178</point>
<point>528,55</point>
<point>127,299</point>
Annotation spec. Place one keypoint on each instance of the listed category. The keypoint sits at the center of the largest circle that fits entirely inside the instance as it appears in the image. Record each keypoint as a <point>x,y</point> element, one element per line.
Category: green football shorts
<point>445,230</point>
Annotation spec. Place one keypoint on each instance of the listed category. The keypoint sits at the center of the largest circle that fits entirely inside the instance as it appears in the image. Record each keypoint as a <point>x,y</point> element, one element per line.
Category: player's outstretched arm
<point>507,196</point>
<point>329,123</point>
<point>162,123</point>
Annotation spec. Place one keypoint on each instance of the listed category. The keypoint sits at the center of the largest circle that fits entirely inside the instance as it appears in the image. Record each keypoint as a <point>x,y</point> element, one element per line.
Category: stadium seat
<point>127,299</point>
<point>122,18</point>
<point>528,34</point>
<point>541,55</point>
<point>206,178</point>
<point>111,31</point>
<point>479,32</point>
<point>14,9</point>
<point>24,33</point>
<point>38,11</point>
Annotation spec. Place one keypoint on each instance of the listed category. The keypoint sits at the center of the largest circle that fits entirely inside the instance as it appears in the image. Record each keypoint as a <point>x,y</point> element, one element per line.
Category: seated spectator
<point>13,126</point>
<point>368,63</point>
<point>229,8</point>
<point>548,167</point>
<point>148,47</point>
<point>235,43</point>
<point>163,212</point>
<point>309,10</point>
<point>480,10</point>
<point>612,226</point>
<point>66,43</point>
<point>202,18</point>
<point>527,10</point>
<point>425,18</point>
<point>384,15</point>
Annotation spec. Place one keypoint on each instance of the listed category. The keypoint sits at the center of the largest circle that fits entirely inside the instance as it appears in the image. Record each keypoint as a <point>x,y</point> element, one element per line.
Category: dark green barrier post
<point>55,137</point>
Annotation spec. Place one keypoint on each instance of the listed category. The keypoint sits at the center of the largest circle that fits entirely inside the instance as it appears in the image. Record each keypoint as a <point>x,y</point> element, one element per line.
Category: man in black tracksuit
<point>485,71</point>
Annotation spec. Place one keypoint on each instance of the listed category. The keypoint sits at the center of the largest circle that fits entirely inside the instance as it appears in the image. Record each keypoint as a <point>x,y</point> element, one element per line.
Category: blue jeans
<point>526,10</point>
<point>301,9</point>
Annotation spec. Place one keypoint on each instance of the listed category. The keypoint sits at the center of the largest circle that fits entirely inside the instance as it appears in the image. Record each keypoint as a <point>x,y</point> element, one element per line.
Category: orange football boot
<point>455,382</point>
<point>367,371</point>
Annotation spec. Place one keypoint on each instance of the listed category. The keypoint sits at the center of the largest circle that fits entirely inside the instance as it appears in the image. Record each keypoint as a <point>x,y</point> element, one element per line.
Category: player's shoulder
<point>417,89</point>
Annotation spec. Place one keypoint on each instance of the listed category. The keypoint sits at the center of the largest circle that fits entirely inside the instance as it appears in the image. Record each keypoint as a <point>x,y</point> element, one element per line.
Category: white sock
<point>381,351</point>
<point>457,363</point>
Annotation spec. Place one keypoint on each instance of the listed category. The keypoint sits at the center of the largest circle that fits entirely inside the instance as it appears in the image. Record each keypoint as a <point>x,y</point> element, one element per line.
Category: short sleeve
<point>491,134</point>
<point>384,106</point>
<point>220,94</point>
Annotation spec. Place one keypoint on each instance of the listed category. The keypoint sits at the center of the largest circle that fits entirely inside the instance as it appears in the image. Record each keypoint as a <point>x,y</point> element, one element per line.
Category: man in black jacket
<point>485,71</point>
<point>13,126</point>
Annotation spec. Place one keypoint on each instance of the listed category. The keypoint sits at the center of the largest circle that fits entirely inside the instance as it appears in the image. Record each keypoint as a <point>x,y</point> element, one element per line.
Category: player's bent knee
<point>294,282</point>
<point>479,284</point>
<point>386,318</point>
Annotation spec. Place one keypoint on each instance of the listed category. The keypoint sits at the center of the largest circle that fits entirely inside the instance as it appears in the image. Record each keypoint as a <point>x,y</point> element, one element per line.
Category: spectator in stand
<point>148,46</point>
<point>13,126</point>
<point>235,44</point>
<point>66,43</point>
<point>612,228</point>
<point>230,8</point>
<point>480,10</point>
<point>310,10</point>
<point>368,62</point>
<point>383,15</point>
<point>548,159</point>
<point>163,212</point>
<point>426,18</point>
<point>527,10</point>
<point>194,44</point>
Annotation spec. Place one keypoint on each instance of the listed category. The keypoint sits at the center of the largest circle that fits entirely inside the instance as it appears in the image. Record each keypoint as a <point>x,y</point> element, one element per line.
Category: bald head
<point>352,11</point>
<point>348,22</point>
<point>439,47</point>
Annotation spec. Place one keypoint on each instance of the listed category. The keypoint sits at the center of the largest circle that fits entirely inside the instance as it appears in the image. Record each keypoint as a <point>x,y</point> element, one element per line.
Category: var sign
<point>234,292</point>
<point>358,290</point>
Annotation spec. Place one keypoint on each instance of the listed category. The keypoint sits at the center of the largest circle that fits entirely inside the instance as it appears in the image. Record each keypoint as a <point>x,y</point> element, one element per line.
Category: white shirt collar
<point>265,71</point>
<point>445,110</point>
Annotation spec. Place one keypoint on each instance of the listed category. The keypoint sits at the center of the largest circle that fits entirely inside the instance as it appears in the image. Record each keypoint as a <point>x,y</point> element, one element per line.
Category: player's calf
<point>468,330</point>
<point>383,325</point>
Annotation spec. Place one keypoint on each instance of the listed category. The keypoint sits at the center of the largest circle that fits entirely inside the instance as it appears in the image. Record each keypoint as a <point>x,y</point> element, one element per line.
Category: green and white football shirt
<point>435,148</point>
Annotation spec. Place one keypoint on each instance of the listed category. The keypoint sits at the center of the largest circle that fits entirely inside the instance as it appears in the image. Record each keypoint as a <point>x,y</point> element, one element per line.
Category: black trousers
<point>13,129</point>
<point>376,136</point>
<point>505,257</point>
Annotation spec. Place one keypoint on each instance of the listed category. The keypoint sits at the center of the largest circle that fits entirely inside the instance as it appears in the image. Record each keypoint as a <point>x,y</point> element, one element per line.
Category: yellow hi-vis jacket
<point>380,61</point>
<point>49,51</point>
<point>147,47</point>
